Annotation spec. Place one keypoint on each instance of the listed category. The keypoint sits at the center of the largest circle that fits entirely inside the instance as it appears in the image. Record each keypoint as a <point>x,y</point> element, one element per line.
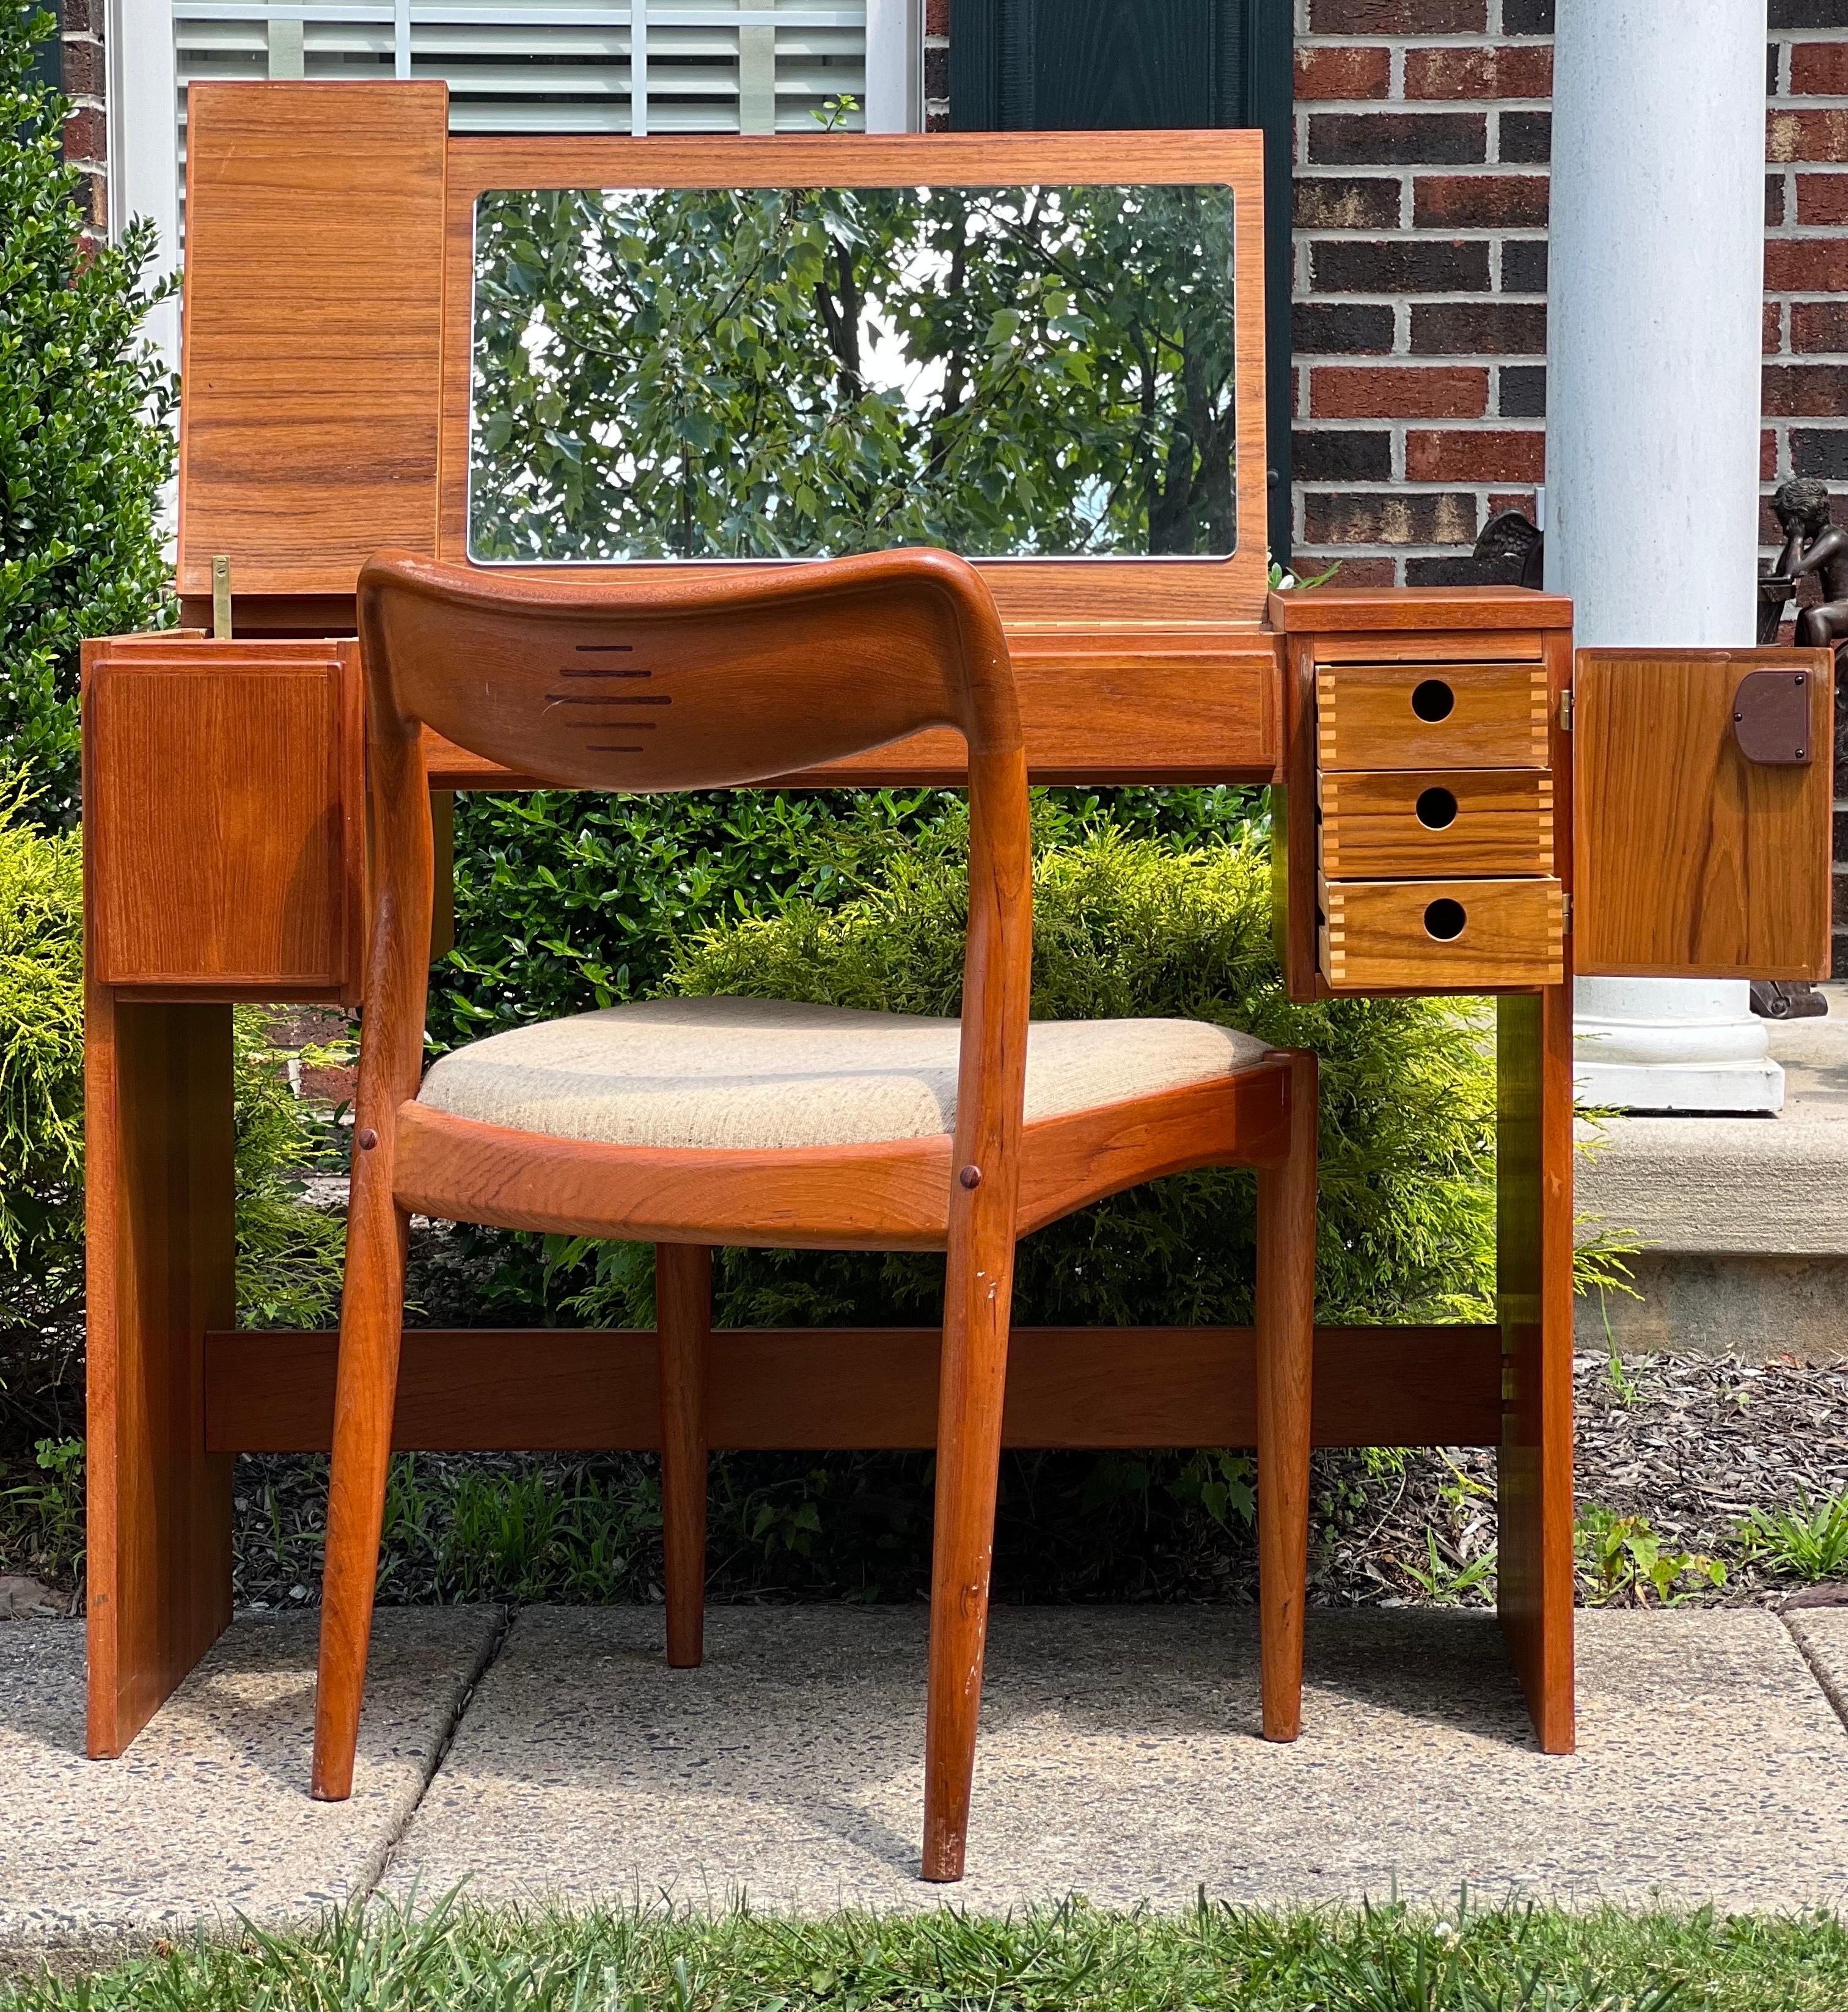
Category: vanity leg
<point>1534,1184</point>
<point>161,1272</point>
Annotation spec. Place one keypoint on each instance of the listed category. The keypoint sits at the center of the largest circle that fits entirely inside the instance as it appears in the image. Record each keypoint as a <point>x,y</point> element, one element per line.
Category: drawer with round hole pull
<point>1407,824</point>
<point>1431,716</point>
<point>1440,935</point>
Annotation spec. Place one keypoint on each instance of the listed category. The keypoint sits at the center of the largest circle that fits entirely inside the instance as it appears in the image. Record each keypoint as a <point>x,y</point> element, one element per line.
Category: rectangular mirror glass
<point>1043,371</point>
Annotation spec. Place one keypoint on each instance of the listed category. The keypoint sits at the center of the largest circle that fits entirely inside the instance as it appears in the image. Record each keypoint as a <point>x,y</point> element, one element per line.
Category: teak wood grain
<point>1694,861</point>
<point>1433,646</point>
<point>1377,613</point>
<point>309,423</point>
<point>157,1200</point>
<point>1390,824</point>
<point>1087,598</point>
<point>1377,936</point>
<point>225,820</point>
<point>1536,1588</point>
<point>1481,715</point>
<point>797,1390</point>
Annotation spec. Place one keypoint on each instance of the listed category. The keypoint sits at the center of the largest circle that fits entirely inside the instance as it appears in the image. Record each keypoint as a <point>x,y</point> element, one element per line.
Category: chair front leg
<point>683,1327</point>
<point>365,1395</point>
<point>1286,1348</point>
<point>972,1383</point>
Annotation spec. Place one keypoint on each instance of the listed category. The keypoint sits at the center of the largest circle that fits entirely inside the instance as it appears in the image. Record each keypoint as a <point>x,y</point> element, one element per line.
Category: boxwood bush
<point>85,442</point>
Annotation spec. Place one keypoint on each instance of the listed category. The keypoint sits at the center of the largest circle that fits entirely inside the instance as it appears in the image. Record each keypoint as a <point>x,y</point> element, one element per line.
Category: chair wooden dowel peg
<point>695,1122</point>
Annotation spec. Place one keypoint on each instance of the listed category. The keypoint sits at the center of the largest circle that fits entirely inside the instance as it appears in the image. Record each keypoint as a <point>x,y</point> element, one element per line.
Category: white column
<point>1652,430</point>
<point>894,66</point>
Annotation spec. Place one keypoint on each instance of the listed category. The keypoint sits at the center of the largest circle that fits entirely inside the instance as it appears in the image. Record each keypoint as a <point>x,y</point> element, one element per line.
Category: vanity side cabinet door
<point>1704,780</point>
<point>224,792</point>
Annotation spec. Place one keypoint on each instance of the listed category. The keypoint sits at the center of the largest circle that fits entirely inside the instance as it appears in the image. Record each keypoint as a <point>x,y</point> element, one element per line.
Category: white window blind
<point>552,66</point>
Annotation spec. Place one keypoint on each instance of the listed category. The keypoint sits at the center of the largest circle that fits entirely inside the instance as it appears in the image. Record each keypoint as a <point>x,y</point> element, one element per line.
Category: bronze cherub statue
<point>1814,543</point>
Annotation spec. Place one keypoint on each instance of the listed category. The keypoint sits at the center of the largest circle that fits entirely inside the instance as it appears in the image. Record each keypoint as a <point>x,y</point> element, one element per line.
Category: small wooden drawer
<point>1404,824</point>
<point>223,821</point>
<point>1440,935</point>
<point>1427,716</point>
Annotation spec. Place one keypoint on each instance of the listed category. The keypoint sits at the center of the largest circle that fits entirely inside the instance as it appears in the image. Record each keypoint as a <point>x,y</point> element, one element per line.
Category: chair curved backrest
<point>651,683</point>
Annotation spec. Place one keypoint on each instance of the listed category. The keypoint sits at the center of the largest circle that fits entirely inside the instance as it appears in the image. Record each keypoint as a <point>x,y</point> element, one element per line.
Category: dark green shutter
<point>1102,66</point>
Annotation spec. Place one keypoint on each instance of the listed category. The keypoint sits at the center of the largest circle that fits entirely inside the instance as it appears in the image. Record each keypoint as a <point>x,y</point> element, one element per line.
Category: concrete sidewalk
<point>557,1760</point>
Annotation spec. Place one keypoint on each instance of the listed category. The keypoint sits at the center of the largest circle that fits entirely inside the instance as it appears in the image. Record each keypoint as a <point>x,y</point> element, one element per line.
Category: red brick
<point>937,17</point>
<point>1819,70</point>
<point>1514,499</point>
<point>86,135</point>
<point>1773,202</point>
<point>1478,328</point>
<point>1822,198</point>
<point>1514,72</point>
<point>1807,136</point>
<point>1335,73</point>
<point>1388,139</point>
<point>1400,265</point>
<point>1772,340</point>
<point>1348,391</point>
<point>1475,457</point>
<point>1806,266</point>
<point>1767,456</point>
<point>1346,202</point>
<point>1349,572</point>
<point>1819,327</point>
<point>83,70</point>
<point>936,73</point>
<point>1480,202</point>
<point>1805,390</point>
<point>1356,517</point>
<point>93,207</point>
<point>1398,17</point>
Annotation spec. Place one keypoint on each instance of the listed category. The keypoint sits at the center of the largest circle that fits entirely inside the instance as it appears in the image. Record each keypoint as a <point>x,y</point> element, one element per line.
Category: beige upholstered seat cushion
<point>768,1072</point>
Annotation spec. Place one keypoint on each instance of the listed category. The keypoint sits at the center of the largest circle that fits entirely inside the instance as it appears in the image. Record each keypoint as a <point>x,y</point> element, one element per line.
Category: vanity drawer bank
<point>1460,804</point>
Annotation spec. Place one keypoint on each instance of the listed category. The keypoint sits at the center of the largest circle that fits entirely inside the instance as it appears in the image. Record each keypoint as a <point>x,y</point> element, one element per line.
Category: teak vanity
<point>1462,805</point>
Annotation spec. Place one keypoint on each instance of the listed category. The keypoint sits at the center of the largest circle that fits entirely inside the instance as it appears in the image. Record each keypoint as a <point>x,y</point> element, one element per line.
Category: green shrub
<point>1126,927</point>
<point>565,902</point>
<point>85,446</point>
<point>41,1069</point>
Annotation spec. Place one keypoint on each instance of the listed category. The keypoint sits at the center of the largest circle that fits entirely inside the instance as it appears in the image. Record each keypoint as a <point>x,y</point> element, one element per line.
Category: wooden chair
<point>700,1123</point>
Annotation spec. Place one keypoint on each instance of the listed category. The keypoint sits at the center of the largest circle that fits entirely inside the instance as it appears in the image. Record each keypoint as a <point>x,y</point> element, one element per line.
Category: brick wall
<point>86,132</point>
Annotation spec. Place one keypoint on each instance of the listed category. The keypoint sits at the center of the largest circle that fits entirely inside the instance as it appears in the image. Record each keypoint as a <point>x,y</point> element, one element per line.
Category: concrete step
<point>1743,1220</point>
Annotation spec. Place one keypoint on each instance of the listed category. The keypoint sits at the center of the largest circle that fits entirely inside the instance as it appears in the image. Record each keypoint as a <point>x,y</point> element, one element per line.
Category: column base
<point>1652,1045</point>
<point>1736,1087</point>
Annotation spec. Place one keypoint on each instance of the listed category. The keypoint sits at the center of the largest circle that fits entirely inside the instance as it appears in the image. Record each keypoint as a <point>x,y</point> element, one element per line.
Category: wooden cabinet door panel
<point>1693,861</point>
<point>222,802</point>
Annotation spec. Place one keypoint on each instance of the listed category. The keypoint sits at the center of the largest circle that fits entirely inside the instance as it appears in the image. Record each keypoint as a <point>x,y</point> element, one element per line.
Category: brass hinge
<point>221,597</point>
<point>1565,914</point>
<point>1565,712</point>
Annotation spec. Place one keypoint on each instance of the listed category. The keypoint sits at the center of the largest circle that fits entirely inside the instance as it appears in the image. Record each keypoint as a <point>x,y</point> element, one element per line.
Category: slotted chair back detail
<point>657,684</point>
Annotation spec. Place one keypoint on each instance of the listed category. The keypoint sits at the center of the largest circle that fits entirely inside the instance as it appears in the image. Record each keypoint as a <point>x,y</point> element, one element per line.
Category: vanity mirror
<point>1034,371</point>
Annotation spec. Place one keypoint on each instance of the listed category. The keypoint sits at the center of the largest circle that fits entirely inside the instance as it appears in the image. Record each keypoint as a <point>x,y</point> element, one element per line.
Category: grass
<point>1072,1958</point>
<point>1808,1542</point>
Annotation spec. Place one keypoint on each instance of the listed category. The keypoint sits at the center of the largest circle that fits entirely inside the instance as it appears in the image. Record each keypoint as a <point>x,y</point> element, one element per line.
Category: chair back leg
<point>365,1395</point>
<point>683,1327</point>
<point>1285,1343</point>
<point>971,1390</point>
